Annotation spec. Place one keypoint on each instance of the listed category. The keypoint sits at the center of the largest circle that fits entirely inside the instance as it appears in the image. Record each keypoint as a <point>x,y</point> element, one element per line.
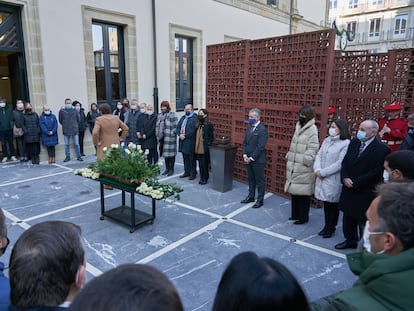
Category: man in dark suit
<point>362,169</point>
<point>186,131</point>
<point>254,157</point>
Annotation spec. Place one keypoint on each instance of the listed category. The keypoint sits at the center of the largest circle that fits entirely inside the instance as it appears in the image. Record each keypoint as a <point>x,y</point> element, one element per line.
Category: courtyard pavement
<point>191,240</point>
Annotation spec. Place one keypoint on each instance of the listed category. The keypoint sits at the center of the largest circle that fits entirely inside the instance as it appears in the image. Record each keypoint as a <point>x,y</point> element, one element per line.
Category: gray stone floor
<point>191,240</point>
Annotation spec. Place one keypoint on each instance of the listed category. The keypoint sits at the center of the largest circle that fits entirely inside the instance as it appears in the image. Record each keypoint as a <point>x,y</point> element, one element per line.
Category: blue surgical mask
<point>361,135</point>
<point>252,120</point>
<point>68,106</point>
<point>187,113</point>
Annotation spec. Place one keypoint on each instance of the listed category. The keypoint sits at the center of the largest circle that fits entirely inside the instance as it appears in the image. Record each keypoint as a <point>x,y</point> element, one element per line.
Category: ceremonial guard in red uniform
<point>392,127</point>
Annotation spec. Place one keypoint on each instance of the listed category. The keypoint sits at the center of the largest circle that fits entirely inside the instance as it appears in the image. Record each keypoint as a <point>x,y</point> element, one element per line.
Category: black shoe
<point>165,172</point>
<point>184,175</point>
<point>83,155</point>
<point>300,222</point>
<point>66,159</point>
<point>79,159</point>
<point>345,245</point>
<point>328,234</point>
<point>292,218</point>
<point>247,200</point>
<point>170,173</point>
<point>323,231</point>
<point>258,204</point>
<point>192,177</point>
<point>202,182</point>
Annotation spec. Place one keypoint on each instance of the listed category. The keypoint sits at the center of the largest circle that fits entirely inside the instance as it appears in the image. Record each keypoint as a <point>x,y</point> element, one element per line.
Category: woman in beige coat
<point>106,129</point>
<point>300,178</point>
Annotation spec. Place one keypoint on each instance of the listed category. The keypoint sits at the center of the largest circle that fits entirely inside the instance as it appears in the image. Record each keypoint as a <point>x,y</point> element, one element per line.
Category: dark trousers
<point>255,175</point>
<point>33,151</point>
<point>81,138</point>
<point>152,155</point>
<point>169,164</point>
<point>51,151</point>
<point>353,228</point>
<point>203,166</point>
<point>331,211</point>
<point>300,207</point>
<point>189,164</point>
<point>21,147</point>
<point>6,138</point>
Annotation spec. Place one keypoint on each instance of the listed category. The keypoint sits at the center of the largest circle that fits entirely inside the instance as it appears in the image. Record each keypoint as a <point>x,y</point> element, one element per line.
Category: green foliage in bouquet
<point>132,166</point>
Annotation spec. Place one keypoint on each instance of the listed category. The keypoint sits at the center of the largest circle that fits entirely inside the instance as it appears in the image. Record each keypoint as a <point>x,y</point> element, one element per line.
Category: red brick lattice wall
<point>278,75</point>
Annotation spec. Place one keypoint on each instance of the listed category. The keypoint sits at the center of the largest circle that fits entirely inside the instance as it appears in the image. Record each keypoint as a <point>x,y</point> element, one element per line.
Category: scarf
<point>199,143</point>
<point>160,128</point>
<point>184,124</point>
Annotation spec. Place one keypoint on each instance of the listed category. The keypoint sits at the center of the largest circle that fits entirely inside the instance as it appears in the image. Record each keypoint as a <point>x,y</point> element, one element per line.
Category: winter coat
<point>169,136</point>
<point>385,283</point>
<point>208,135</point>
<point>328,163</point>
<point>82,120</point>
<point>6,119</point>
<point>49,123</point>
<point>91,117</point>
<point>131,122</point>
<point>147,128</point>
<point>188,144</point>
<point>300,179</point>
<point>105,133</point>
<point>69,119</point>
<point>31,127</point>
<point>18,118</point>
<point>365,171</point>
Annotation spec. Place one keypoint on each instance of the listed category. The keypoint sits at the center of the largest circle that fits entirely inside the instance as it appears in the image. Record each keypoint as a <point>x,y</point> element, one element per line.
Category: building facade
<point>152,50</point>
<point>373,25</point>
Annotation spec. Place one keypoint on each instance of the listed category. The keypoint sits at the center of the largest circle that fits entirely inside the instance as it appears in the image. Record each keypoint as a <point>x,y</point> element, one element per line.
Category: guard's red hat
<point>331,110</point>
<point>393,106</point>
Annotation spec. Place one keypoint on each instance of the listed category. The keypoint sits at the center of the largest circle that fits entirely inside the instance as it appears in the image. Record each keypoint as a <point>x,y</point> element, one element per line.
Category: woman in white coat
<point>327,168</point>
<point>300,178</point>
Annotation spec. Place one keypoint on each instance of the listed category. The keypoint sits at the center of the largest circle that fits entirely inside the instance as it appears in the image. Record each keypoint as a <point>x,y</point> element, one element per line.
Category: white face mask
<point>142,110</point>
<point>20,106</point>
<point>119,107</point>
<point>367,234</point>
<point>47,112</point>
<point>2,105</point>
<point>332,132</point>
<point>150,113</point>
<point>133,107</point>
<point>386,176</point>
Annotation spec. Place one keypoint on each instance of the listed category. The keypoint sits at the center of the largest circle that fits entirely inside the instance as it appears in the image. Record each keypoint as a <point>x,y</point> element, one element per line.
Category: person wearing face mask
<point>147,130</point>
<point>254,157</point>
<point>6,131</point>
<point>300,178</point>
<point>166,136</point>
<point>31,129</point>
<point>386,267</point>
<point>327,168</point>
<point>408,141</point>
<point>140,121</point>
<point>82,124</point>
<point>18,114</point>
<point>69,119</point>
<point>131,118</point>
<point>204,139</point>
<point>48,128</point>
<point>186,130</point>
<point>361,170</point>
<point>399,166</point>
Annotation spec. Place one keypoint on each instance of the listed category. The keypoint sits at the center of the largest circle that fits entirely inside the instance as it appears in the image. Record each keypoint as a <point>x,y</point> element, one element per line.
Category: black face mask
<point>302,121</point>
<point>201,118</point>
<point>28,110</point>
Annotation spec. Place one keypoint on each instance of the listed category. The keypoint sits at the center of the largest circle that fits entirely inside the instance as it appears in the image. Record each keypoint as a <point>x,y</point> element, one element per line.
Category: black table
<point>124,214</point>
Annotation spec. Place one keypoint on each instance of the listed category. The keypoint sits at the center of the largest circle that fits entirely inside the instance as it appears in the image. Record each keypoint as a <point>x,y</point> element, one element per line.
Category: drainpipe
<point>154,37</point>
<point>291,17</point>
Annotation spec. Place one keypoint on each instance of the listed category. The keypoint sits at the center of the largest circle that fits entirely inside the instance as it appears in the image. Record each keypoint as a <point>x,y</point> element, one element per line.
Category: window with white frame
<point>351,27</point>
<point>333,4</point>
<point>400,26</point>
<point>377,2</point>
<point>353,4</point>
<point>374,29</point>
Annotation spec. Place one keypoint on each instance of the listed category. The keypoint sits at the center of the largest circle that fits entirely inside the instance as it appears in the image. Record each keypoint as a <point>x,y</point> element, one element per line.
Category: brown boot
<point>50,161</point>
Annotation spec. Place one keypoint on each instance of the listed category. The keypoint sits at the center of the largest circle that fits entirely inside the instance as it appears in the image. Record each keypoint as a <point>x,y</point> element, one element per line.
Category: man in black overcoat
<point>362,169</point>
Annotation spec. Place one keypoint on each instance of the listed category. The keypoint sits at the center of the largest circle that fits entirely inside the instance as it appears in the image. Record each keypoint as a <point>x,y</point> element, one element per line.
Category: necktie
<point>361,148</point>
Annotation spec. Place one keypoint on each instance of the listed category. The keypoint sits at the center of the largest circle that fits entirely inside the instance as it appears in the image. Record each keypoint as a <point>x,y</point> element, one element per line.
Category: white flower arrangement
<point>87,172</point>
<point>150,191</point>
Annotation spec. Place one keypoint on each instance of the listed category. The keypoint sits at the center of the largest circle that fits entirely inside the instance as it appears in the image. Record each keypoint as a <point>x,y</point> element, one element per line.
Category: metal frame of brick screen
<point>278,75</point>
